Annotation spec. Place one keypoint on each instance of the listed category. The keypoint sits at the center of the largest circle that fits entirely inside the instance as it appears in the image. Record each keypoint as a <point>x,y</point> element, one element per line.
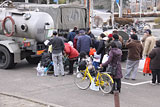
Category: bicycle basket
<point>82,65</point>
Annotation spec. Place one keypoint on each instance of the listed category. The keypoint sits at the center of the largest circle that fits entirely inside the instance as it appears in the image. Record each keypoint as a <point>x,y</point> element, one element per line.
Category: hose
<point>13,26</point>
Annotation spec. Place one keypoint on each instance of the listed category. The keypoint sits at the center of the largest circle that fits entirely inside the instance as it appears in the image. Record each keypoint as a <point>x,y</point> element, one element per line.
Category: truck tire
<point>33,60</point>
<point>6,58</point>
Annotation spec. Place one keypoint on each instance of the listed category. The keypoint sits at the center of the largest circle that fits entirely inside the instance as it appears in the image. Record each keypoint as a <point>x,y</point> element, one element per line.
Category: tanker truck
<point>22,35</point>
<point>65,16</point>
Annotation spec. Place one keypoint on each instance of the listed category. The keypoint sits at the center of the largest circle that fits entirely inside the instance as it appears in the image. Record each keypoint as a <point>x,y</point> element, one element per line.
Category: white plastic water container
<point>40,70</point>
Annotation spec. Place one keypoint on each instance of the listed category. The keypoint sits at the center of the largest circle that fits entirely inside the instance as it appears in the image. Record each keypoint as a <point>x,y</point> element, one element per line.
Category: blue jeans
<point>96,64</point>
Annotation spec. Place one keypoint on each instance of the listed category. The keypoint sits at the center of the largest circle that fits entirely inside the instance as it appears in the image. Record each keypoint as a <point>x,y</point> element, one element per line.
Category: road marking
<point>135,84</point>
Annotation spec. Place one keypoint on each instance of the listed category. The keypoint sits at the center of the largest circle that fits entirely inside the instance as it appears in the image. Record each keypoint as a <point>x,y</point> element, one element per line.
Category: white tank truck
<point>22,34</point>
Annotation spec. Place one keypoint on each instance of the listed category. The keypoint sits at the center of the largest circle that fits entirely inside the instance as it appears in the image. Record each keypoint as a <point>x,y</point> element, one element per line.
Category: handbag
<point>141,64</point>
<point>111,70</point>
<point>146,69</point>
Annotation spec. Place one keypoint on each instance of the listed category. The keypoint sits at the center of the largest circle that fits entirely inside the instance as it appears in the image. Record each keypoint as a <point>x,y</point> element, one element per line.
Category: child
<point>96,60</point>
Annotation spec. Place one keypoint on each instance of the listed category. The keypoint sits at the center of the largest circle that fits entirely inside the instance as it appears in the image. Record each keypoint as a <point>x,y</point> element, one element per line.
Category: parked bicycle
<point>83,80</point>
<point>141,26</point>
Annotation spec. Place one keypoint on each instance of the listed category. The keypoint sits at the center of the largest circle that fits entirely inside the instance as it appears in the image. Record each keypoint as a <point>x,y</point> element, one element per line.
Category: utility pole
<point>140,7</point>
<point>92,18</point>
<point>67,1</point>
<point>26,1</point>
<point>121,8</point>
<point>89,12</point>
<point>112,10</point>
<point>39,2</point>
<point>85,3</point>
<point>155,6</point>
<point>48,1</point>
<point>155,3</point>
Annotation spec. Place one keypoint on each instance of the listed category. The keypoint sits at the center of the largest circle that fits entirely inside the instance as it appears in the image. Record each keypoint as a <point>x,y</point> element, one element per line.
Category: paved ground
<point>20,87</point>
<point>61,91</point>
<point>10,101</point>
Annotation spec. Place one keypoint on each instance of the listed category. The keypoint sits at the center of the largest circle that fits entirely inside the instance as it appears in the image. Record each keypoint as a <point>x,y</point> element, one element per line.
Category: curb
<point>30,100</point>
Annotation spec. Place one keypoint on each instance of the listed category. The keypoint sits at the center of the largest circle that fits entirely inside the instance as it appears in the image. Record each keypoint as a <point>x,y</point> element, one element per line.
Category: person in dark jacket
<point>83,42</point>
<point>75,39</point>
<point>116,40</point>
<point>72,34</point>
<point>114,60</point>
<point>135,50</point>
<point>57,49</point>
<point>155,63</point>
<point>89,33</point>
<point>101,47</point>
<point>73,56</point>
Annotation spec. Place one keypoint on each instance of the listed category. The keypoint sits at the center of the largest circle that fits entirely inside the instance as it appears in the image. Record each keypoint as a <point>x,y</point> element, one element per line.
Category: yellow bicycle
<point>83,80</point>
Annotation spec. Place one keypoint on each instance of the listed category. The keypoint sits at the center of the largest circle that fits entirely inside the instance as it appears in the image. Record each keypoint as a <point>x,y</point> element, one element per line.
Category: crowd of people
<point>81,41</point>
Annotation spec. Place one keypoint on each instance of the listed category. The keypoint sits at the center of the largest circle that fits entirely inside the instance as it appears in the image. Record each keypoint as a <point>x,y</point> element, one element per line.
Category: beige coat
<point>149,45</point>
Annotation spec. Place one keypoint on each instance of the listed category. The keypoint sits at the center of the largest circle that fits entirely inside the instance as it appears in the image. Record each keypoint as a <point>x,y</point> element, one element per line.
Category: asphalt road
<point>61,91</point>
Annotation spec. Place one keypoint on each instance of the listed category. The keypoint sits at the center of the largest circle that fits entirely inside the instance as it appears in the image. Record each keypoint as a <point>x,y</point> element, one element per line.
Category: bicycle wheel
<point>82,81</point>
<point>106,83</point>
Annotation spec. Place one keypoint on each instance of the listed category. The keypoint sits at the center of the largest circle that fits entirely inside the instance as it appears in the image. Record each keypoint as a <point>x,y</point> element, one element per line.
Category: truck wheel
<point>6,58</point>
<point>34,60</point>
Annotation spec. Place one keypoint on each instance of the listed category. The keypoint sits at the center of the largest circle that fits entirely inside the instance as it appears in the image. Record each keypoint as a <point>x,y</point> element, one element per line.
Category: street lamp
<point>121,8</point>
<point>112,10</point>
<point>155,3</point>
<point>140,7</point>
<point>48,1</point>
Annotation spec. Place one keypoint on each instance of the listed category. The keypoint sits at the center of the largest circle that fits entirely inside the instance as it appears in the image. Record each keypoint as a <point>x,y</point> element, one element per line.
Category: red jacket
<point>70,51</point>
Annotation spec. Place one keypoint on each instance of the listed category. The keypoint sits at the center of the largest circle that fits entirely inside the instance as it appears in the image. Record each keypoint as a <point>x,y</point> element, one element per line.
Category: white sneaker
<point>153,84</point>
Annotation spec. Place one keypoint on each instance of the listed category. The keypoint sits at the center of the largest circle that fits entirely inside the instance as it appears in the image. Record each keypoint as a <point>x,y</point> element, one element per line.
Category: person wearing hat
<point>148,42</point>
<point>155,64</point>
<point>57,49</point>
<point>83,42</point>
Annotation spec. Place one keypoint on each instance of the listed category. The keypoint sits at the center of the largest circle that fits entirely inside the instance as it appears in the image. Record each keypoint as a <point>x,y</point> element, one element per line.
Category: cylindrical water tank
<point>25,24</point>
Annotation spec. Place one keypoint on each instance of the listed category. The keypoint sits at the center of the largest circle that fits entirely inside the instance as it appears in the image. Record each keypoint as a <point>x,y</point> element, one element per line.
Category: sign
<point>117,1</point>
<point>55,0</point>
